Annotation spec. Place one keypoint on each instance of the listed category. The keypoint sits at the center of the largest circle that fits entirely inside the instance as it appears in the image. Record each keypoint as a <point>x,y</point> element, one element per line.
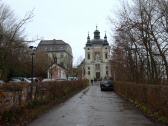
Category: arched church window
<point>97,56</point>
<point>106,56</point>
<point>88,55</point>
<point>106,67</point>
<point>97,66</point>
<point>106,72</point>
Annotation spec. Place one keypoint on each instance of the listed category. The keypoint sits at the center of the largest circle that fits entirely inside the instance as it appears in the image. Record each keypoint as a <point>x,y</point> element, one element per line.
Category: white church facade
<point>97,58</point>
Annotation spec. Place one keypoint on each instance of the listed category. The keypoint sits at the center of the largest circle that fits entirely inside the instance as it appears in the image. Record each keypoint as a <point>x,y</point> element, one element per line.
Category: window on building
<point>88,72</point>
<point>88,48</point>
<point>106,72</point>
<point>62,55</point>
<point>88,68</point>
<point>49,48</point>
<point>62,64</point>
<point>106,67</point>
<point>97,55</point>
<point>97,66</point>
<point>84,71</point>
<point>55,59</point>
<point>106,56</point>
<point>88,55</point>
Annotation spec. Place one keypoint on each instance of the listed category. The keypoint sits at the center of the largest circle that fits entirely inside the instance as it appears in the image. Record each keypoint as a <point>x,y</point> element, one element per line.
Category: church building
<point>97,57</point>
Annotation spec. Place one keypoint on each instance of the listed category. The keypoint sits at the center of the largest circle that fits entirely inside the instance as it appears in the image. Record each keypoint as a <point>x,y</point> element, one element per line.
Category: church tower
<point>97,57</point>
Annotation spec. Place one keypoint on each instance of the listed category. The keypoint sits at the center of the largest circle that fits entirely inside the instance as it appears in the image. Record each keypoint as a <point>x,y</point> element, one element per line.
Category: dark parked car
<point>106,85</point>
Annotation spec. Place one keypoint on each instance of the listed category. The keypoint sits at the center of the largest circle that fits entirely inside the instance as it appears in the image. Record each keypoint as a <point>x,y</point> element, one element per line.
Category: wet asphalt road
<point>94,108</point>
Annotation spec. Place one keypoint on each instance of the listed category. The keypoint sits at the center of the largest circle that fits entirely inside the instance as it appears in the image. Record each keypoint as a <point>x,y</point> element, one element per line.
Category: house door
<point>97,75</point>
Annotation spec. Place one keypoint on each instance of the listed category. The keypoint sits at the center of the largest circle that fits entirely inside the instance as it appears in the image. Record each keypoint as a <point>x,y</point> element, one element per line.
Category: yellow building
<point>59,52</point>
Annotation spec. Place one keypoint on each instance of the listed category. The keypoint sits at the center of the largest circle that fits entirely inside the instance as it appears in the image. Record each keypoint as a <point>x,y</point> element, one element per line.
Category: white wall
<point>91,62</point>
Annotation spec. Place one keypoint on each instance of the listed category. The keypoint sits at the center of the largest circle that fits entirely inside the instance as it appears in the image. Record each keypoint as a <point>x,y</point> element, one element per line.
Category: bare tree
<point>13,50</point>
<point>142,36</point>
<point>42,64</point>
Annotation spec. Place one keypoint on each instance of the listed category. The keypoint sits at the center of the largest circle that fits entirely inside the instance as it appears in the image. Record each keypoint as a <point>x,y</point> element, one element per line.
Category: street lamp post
<point>32,67</point>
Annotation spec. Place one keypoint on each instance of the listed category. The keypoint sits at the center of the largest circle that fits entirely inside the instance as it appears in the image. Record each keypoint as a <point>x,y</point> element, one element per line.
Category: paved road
<point>94,108</point>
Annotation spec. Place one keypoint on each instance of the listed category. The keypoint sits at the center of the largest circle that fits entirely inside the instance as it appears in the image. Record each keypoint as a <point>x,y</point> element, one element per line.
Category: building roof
<point>55,64</point>
<point>54,46</point>
<point>97,41</point>
<point>52,42</point>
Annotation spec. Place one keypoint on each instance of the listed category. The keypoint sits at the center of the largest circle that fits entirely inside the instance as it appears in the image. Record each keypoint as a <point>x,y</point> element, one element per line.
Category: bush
<point>58,89</point>
<point>151,99</point>
<point>45,96</point>
<point>11,115</point>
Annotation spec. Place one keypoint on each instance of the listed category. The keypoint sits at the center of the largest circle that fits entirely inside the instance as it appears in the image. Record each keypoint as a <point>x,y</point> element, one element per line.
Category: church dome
<point>97,40</point>
<point>96,34</point>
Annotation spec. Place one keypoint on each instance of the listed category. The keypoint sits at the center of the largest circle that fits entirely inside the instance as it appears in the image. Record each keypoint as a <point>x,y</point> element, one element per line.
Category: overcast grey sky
<point>68,20</point>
